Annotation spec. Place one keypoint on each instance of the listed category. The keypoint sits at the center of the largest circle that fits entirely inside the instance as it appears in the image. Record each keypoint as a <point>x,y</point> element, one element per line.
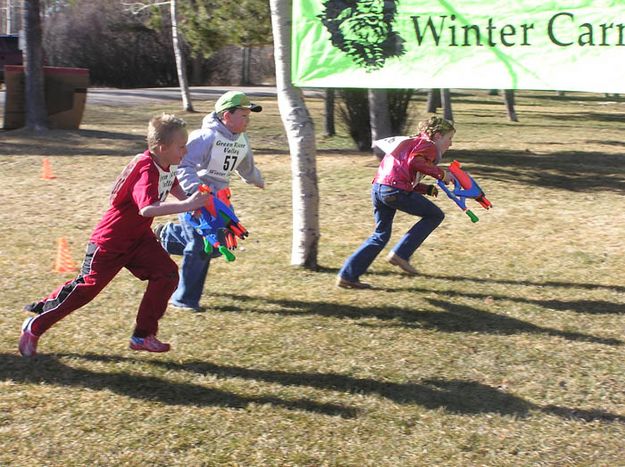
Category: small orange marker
<point>46,170</point>
<point>64,261</point>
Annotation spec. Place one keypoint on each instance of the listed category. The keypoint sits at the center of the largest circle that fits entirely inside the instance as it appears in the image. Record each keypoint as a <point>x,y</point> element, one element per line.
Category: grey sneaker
<point>182,306</point>
<point>402,263</point>
<point>158,230</point>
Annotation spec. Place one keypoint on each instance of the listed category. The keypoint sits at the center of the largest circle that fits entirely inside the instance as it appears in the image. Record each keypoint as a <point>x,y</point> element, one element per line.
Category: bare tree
<point>181,65</point>
<point>508,97</point>
<point>329,127</point>
<point>440,98</point>
<point>379,117</point>
<point>446,103</point>
<point>434,100</point>
<point>36,113</point>
<point>246,59</point>
<point>9,8</point>
<point>136,8</point>
<point>300,132</point>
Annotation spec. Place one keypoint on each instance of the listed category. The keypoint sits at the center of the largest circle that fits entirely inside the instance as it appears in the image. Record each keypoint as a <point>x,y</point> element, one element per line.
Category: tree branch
<point>136,7</point>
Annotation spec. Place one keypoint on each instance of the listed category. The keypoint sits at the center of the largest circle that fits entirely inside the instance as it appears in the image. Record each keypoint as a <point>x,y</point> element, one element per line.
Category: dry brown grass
<point>508,349</point>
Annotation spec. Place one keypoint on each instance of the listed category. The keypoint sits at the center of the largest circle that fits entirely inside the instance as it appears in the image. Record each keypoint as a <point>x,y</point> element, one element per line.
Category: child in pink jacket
<point>397,186</point>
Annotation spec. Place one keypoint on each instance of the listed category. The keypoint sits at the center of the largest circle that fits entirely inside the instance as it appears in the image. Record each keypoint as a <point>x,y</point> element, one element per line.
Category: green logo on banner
<point>363,30</point>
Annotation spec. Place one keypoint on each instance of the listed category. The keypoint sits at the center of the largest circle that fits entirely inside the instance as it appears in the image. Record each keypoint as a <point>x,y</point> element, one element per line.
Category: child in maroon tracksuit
<point>123,238</point>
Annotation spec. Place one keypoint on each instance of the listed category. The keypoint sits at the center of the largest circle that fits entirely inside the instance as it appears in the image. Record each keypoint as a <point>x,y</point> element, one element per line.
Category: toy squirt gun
<point>215,216</point>
<point>464,187</point>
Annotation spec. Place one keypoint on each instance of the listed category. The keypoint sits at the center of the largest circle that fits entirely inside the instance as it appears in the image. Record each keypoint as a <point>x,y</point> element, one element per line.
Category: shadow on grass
<point>576,97</point>
<point>585,117</point>
<point>50,370</point>
<point>608,142</point>
<point>576,171</point>
<point>479,280</point>
<point>546,284</point>
<point>594,307</point>
<point>482,321</point>
<point>454,396</point>
<point>553,284</point>
<point>70,142</point>
<point>453,318</point>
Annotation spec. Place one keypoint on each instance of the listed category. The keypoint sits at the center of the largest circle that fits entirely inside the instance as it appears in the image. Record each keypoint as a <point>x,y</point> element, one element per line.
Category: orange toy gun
<point>464,187</point>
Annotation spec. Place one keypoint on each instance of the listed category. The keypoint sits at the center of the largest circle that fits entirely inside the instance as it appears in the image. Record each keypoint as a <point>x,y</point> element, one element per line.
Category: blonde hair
<point>162,128</point>
<point>435,125</point>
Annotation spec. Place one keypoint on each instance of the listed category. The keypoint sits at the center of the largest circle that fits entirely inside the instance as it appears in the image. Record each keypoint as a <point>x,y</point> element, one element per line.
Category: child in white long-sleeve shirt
<point>216,150</point>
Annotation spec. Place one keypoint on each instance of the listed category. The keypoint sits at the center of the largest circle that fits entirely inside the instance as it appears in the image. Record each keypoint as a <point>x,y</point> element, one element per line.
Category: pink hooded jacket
<point>408,163</point>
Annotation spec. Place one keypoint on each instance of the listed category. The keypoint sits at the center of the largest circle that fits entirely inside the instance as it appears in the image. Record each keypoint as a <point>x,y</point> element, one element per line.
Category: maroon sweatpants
<point>147,260</point>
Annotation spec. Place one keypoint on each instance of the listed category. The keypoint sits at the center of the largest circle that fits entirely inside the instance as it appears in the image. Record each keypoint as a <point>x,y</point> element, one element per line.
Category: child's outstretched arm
<point>195,201</point>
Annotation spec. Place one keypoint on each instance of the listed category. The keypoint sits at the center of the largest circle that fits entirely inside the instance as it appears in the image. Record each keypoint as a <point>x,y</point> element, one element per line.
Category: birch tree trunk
<point>181,67</point>
<point>9,13</point>
<point>379,117</point>
<point>300,132</point>
<point>246,59</point>
<point>36,114</point>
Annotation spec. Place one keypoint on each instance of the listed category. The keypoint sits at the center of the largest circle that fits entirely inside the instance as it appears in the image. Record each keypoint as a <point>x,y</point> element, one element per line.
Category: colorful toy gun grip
<point>216,216</point>
<point>464,187</point>
<point>472,216</point>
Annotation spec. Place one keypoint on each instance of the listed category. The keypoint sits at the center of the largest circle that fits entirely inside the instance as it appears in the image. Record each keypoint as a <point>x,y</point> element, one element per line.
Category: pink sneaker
<point>150,344</point>
<point>28,341</point>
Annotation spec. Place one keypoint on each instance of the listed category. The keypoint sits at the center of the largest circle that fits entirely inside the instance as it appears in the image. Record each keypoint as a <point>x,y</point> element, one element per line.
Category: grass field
<point>508,349</point>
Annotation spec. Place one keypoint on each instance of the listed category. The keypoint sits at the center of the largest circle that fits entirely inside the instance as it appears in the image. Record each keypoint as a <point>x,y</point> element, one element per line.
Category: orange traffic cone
<point>64,262</point>
<point>46,170</point>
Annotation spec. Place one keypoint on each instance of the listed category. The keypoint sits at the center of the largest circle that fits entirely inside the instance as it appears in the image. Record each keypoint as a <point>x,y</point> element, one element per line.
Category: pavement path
<point>130,97</point>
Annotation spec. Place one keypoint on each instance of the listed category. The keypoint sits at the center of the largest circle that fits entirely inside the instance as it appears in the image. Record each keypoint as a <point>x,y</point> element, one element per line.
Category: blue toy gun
<point>464,187</point>
<point>215,216</point>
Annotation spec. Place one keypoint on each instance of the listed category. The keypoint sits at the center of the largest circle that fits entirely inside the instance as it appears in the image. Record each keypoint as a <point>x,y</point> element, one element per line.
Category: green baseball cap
<point>235,99</point>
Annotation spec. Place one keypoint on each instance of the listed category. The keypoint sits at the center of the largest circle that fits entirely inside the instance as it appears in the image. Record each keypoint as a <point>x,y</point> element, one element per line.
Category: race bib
<point>165,181</point>
<point>226,155</point>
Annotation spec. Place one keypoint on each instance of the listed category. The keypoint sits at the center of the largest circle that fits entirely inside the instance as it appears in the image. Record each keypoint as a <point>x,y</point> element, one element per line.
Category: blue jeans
<point>386,202</point>
<point>182,239</point>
